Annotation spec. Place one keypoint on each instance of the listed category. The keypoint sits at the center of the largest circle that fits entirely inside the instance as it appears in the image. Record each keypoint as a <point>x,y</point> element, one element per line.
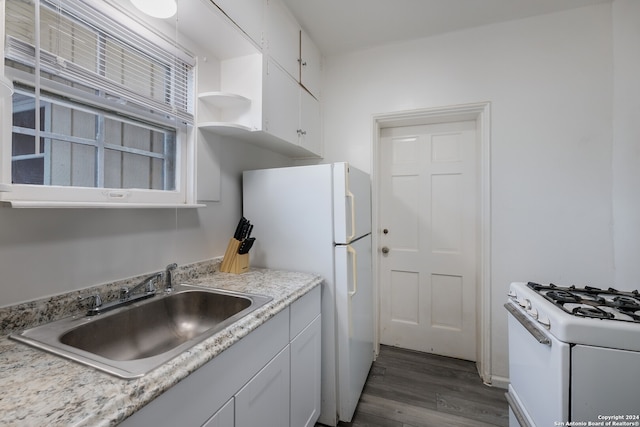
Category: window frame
<point>30,195</point>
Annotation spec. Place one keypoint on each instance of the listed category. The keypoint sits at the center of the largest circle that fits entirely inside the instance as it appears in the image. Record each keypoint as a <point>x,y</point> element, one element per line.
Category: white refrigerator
<point>317,219</point>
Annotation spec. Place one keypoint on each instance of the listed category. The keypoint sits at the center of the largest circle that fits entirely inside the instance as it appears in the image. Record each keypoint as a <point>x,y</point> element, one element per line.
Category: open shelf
<point>225,128</point>
<point>224,100</point>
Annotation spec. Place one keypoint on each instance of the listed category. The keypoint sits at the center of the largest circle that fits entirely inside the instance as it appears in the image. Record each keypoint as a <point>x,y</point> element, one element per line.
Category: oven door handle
<point>528,325</point>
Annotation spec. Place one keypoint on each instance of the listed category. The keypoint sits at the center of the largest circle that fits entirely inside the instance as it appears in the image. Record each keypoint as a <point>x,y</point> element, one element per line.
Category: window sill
<point>98,205</point>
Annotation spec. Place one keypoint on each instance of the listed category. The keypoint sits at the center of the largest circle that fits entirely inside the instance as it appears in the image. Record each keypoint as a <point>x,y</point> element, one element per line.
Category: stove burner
<point>592,298</point>
<point>592,312</point>
<point>592,302</point>
<point>562,296</point>
<point>626,303</point>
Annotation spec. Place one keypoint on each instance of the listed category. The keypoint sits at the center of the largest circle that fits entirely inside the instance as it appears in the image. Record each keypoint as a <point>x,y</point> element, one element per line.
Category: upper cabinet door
<point>247,14</point>
<point>309,136</point>
<point>310,65</point>
<point>281,105</point>
<point>283,37</point>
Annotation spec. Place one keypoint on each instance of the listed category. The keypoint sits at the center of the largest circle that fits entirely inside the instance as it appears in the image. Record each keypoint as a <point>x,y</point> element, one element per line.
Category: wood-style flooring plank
<point>406,388</point>
<point>410,415</point>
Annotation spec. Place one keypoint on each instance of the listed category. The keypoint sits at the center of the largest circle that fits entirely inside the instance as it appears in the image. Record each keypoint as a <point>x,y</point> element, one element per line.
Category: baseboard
<point>500,382</point>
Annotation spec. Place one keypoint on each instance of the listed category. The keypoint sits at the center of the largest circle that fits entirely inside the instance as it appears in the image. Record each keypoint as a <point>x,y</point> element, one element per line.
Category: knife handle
<point>246,245</point>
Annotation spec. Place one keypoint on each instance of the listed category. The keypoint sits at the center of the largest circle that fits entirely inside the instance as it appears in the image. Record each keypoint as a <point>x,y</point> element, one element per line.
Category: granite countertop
<point>41,389</point>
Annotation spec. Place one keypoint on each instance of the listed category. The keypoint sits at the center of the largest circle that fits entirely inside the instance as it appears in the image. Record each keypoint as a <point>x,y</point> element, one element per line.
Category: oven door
<point>538,371</point>
<point>604,381</point>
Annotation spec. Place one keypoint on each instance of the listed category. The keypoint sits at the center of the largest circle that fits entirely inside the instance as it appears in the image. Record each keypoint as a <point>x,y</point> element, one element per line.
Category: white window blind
<point>101,102</point>
<point>72,43</point>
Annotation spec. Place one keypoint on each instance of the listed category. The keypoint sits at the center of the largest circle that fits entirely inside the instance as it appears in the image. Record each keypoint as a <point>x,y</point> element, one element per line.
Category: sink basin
<point>130,341</point>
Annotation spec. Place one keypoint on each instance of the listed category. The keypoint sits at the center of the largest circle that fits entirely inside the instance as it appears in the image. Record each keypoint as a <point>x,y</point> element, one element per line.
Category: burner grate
<point>594,312</point>
<point>592,302</point>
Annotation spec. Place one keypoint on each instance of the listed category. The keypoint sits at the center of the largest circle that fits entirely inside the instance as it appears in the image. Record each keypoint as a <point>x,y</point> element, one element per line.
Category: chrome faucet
<point>149,285</point>
<point>168,286</point>
<point>143,290</point>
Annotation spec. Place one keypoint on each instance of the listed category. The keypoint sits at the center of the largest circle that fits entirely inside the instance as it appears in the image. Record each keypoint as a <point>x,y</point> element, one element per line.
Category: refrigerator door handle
<point>353,216</point>
<point>354,271</point>
<point>354,268</point>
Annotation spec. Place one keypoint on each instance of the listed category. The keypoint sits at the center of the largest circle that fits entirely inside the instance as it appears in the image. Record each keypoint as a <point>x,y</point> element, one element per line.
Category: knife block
<point>240,264</point>
<point>233,262</point>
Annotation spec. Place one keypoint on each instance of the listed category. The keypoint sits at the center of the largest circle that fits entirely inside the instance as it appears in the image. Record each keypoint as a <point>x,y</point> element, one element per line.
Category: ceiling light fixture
<point>157,8</point>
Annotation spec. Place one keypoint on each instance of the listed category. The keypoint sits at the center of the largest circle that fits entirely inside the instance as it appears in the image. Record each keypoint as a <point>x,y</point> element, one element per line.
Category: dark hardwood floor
<point>411,389</point>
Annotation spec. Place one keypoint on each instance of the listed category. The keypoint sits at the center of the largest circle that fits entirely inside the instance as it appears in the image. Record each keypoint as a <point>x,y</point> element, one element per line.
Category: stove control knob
<point>533,313</point>
<point>512,294</point>
<point>544,321</point>
<point>525,303</point>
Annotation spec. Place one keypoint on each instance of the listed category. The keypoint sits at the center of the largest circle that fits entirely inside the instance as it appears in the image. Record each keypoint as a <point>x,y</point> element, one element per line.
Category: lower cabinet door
<point>224,417</point>
<point>264,401</point>
<point>305,376</point>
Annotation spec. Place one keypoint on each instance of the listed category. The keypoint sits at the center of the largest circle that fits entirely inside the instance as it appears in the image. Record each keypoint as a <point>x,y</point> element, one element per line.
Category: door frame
<point>481,114</point>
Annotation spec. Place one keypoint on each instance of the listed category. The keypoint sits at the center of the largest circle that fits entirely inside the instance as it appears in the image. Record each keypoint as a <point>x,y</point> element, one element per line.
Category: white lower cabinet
<point>305,376</point>
<point>225,417</point>
<point>270,378</point>
<point>264,401</point>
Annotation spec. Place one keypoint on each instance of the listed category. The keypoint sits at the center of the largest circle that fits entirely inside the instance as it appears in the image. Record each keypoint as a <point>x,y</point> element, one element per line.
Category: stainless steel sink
<point>130,341</point>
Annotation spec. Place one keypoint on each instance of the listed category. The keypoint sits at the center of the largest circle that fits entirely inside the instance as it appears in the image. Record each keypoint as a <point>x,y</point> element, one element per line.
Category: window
<point>102,109</point>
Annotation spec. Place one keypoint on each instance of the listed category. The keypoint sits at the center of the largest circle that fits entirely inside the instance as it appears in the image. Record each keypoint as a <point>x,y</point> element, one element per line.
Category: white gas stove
<point>574,355</point>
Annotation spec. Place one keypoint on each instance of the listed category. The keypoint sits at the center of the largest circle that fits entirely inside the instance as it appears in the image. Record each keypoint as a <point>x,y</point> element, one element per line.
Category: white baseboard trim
<point>499,382</point>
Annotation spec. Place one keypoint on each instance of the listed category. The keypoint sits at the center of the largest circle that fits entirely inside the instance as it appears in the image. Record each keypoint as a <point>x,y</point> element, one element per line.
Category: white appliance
<point>317,219</point>
<point>574,356</point>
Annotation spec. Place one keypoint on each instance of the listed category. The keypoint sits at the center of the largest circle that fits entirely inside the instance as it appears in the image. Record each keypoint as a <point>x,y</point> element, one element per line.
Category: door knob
<point>385,250</point>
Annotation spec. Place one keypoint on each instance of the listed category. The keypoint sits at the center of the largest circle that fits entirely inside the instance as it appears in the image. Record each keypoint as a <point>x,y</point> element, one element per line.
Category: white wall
<point>46,252</point>
<point>50,251</point>
<point>626,150</point>
<point>550,84</point>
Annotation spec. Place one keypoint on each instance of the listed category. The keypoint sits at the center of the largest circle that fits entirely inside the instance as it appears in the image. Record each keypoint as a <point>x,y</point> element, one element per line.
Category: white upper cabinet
<point>247,14</point>
<point>283,38</point>
<point>291,47</point>
<point>309,136</point>
<point>281,104</point>
<point>291,113</point>
<point>310,64</point>
<point>264,86</point>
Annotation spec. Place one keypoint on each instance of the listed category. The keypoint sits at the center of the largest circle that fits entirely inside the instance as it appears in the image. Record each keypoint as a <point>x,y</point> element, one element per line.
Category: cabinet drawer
<point>304,310</point>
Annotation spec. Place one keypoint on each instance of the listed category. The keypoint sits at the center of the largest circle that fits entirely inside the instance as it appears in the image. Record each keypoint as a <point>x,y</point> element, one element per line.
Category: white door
<point>428,221</point>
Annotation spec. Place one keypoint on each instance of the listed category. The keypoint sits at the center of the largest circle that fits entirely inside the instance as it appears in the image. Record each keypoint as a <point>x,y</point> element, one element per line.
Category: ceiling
<point>339,26</point>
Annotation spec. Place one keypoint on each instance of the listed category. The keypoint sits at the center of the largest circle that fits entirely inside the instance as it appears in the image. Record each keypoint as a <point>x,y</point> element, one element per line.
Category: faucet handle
<point>151,285</point>
<point>95,300</point>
